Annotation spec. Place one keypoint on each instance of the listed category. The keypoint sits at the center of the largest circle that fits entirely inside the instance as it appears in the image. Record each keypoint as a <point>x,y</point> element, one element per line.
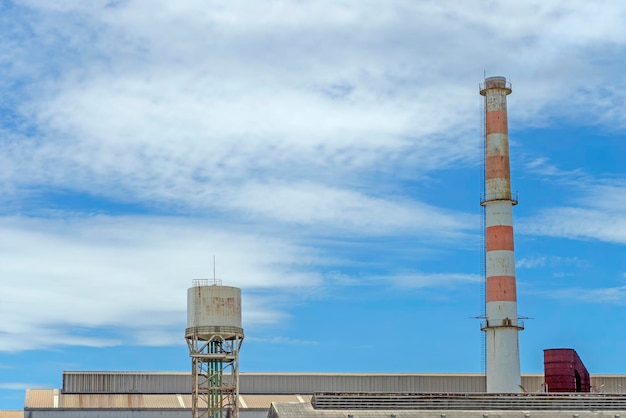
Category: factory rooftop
<point>321,395</point>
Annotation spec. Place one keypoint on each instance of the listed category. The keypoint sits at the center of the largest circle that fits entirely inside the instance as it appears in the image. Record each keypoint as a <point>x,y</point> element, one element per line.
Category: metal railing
<point>470,401</point>
<point>504,84</point>
<point>207,282</point>
<point>502,323</point>
<point>494,197</point>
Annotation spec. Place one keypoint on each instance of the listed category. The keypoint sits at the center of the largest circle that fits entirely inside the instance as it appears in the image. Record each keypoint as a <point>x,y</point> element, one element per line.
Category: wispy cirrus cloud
<point>94,273</point>
<point>17,385</point>
<point>425,280</point>
<point>346,210</point>
<point>579,223</point>
<point>609,295</point>
<point>281,340</point>
<point>595,209</point>
<point>267,123</point>
<point>542,166</point>
<point>550,261</point>
<point>186,116</point>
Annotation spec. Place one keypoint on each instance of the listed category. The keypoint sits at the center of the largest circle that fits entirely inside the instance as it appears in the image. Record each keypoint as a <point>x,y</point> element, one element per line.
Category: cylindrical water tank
<point>214,310</point>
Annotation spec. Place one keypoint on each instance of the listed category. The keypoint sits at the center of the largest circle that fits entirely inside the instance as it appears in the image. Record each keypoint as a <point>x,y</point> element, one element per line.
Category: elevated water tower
<point>214,335</point>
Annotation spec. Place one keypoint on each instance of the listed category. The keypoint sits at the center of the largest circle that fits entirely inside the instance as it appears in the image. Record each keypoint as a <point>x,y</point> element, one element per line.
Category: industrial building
<point>162,394</point>
<point>214,334</point>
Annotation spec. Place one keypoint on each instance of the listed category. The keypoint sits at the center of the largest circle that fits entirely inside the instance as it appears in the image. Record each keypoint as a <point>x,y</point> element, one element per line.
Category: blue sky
<point>328,154</point>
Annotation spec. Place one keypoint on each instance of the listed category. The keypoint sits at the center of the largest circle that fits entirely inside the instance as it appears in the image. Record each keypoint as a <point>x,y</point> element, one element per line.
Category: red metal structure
<point>564,371</point>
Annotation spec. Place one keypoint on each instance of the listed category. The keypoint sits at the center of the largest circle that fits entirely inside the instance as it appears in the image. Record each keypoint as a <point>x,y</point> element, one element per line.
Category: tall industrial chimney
<point>501,324</point>
<point>214,336</point>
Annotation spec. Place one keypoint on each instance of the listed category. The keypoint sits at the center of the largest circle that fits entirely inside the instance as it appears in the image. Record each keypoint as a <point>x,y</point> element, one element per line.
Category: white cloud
<point>445,280</point>
<point>257,117</point>
<point>345,210</point>
<point>17,386</point>
<point>104,281</point>
<point>531,262</point>
<point>610,295</point>
<point>182,102</point>
<point>601,215</point>
<point>544,167</point>
<point>578,223</point>
<point>281,341</point>
<point>551,261</point>
<point>128,273</point>
<point>609,196</point>
<point>21,340</point>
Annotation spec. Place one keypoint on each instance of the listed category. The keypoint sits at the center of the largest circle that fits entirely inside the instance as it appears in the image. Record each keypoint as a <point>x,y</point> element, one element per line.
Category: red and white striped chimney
<point>501,323</point>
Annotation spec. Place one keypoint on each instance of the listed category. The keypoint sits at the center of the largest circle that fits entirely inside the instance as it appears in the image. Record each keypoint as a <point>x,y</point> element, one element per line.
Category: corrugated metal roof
<point>164,390</point>
<point>608,383</point>
<point>354,374</point>
<point>124,372</point>
<point>123,401</point>
<point>11,414</point>
<point>39,398</point>
<point>292,410</point>
<point>290,382</point>
<point>471,401</point>
<point>264,401</point>
<point>126,382</point>
<point>103,401</point>
<point>44,399</point>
